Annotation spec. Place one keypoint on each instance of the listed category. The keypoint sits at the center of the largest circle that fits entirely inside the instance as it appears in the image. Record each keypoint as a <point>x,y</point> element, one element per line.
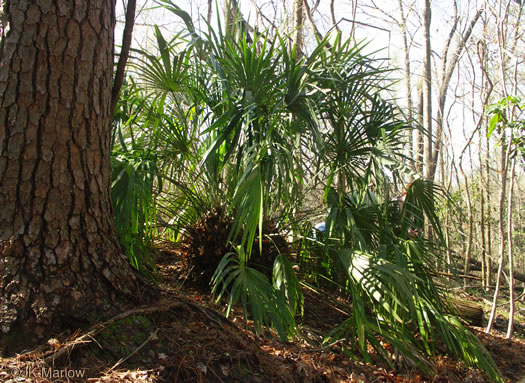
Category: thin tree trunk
<point>427,89</point>
<point>470,215</point>
<point>124,53</point>
<point>419,134</point>
<point>484,163</point>
<point>502,23</point>
<point>488,87</point>
<point>446,75</point>
<point>210,11</point>
<point>489,226</point>
<point>484,172</point>
<point>504,161</point>
<point>512,308</point>
<point>448,258</point>
<point>333,18</point>
<point>510,328</point>
<point>354,4</point>
<point>408,84</point>
<point>309,15</point>
<point>520,260</point>
<point>484,282</point>
<point>468,251</point>
<point>448,211</point>
<point>458,225</point>
<point>299,27</point>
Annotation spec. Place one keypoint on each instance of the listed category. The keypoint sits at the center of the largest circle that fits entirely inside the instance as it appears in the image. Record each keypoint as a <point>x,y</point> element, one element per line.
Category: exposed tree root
<point>96,329</point>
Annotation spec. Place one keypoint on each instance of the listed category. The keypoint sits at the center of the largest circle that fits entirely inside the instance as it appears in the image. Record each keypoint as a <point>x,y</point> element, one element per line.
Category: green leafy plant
<point>500,121</point>
<point>266,304</point>
<point>389,278</point>
<point>246,123</point>
<point>134,170</point>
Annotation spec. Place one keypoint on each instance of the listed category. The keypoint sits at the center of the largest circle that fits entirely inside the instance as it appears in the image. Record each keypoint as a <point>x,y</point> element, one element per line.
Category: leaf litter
<point>186,338</point>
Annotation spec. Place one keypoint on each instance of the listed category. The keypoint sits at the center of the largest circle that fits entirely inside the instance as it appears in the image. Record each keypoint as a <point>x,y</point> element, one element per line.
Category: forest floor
<point>186,338</point>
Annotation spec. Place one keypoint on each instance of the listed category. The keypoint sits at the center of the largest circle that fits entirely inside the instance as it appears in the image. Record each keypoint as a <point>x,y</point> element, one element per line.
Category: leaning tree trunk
<point>61,265</point>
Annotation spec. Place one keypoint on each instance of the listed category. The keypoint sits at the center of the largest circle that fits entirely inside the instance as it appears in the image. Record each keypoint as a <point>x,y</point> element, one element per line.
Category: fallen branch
<point>475,265</point>
<point>465,276</point>
<point>505,303</point>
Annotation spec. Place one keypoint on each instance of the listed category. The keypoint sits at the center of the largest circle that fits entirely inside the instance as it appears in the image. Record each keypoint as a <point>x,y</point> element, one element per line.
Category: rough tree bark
<point>60,264</point>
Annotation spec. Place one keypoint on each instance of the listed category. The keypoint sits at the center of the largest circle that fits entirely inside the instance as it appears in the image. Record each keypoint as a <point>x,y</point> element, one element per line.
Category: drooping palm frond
<point>266,305</point>
<point>389,276</point>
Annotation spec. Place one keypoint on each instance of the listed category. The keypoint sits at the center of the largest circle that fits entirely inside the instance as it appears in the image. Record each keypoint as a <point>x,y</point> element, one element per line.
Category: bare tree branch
<point>446,75</point>
<point>310,19</point>
<point>332,15</point>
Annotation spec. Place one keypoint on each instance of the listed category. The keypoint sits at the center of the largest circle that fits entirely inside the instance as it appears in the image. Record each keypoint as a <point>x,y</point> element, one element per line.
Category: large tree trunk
<point>61,265</point>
